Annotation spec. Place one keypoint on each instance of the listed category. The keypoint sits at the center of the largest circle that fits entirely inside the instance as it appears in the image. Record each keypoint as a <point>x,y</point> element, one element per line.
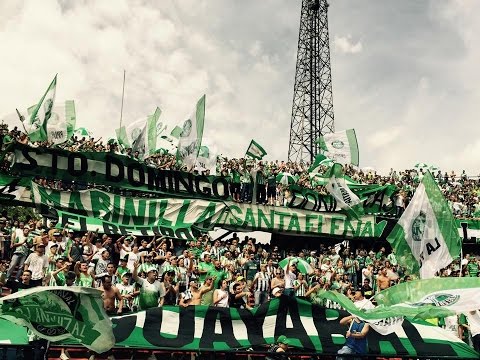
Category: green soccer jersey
<point>150,294</point>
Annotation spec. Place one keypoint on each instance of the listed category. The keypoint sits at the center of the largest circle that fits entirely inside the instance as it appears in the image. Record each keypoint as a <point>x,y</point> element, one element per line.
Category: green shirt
<point>218,276</point>
<point>472,268</point>
<point>85,280</point>
<point>203,266</point>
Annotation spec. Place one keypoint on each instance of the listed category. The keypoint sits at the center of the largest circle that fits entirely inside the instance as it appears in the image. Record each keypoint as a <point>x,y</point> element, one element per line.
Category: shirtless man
<point>109,295</point>
<point>193,295</point>
<point>383,281</point>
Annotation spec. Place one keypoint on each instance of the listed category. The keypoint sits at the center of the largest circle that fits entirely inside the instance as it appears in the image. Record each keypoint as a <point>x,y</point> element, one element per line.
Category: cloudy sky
<point>405,73</point>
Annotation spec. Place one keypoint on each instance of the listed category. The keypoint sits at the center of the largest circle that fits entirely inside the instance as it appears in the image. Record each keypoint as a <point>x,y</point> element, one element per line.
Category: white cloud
<point>407,101</point>
<point>344,44</point>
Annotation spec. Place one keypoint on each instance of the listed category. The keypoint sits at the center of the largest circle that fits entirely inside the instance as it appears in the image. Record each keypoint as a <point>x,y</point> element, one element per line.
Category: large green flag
<point>190,139</point>
<point>255,150</point>
<point>338,188</point>
<point>426,237</point>
<point>342,147</point>
<point>58,313</point>
<point>41,113</point>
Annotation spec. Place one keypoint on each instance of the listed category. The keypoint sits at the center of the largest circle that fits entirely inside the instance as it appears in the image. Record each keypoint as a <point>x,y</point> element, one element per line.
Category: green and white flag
<point>57,313</point>
<point>338,188</point>
<point>176,132</point>
<point>255,150</point>
<point>426,237</point>
<point>342,147</point>
<point>62,122</point>
<point>190,139</point>
<point>207,159</point>
<point>41,113</point>
<point>141,135</point>
<point>421,299</point>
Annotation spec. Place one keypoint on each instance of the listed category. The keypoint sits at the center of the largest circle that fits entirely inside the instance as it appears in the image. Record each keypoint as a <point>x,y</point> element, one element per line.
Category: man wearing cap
<point>122,267</point>
<point>37,262</point>
<point>152,291</point>
<point>278,350</point>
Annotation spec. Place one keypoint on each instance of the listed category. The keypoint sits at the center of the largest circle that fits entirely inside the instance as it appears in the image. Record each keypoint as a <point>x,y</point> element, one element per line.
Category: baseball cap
<point>56,233</point>
<point>282,339</point>
<point>240,278</point>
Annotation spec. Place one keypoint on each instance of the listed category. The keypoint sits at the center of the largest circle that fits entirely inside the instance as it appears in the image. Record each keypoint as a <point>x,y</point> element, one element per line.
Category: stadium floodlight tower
<point>312,110</point>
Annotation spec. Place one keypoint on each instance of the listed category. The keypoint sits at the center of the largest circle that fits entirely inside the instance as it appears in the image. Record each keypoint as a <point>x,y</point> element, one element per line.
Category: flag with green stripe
<point>141,135</point>
<point>190,139</point>
<point>41,113</point>
<point>255,150</point>
<point>426,237</point>
<point>338,188</point>
<point>342,146</point>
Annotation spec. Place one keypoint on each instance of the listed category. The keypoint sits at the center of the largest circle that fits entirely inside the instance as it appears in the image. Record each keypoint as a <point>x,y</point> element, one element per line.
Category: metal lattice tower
<point>312,110</point>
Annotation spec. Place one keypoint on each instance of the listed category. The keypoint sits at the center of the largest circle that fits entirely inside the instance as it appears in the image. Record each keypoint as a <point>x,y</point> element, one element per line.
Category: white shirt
<point>364,304</point>
<point>474,322</point>
<point>289,279</point>
<point>37,264</point>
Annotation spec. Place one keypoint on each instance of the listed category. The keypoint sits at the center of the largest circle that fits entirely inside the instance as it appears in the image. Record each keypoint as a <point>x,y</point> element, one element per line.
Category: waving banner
<point>58,313</point>
<point>310,328</point>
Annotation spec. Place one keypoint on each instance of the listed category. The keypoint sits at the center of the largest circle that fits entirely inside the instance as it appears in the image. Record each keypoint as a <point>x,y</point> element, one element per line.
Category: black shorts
<point>271,191</point>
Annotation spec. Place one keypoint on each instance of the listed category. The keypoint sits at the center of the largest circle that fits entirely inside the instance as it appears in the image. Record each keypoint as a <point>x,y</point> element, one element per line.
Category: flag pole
<point>22,119</point>
<point>123,96</point>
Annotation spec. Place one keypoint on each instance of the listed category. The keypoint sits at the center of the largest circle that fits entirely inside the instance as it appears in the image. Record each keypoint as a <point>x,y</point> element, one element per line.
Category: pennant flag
<point>190,139</point>
<point>141,135</point>
<point>61,123</point>
<point>82,132</point>
<point>425,237</point>
<point>58,313</point>
<point>176,132</point>
<point>41,113</point>
<point>255,151</point>
<point>346,199</point>
<point>342,147</point>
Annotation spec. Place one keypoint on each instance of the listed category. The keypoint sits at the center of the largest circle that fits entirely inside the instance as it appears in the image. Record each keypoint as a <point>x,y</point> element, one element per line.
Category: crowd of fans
<point>140,273</point>
<point>246,176</point>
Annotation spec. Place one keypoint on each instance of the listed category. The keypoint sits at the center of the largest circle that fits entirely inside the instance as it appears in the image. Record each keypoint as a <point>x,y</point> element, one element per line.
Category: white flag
<point>190,139</point>
<point>342,147</point>
<point>426,237</point>
<point>346,199</point>
<point>61,122</point>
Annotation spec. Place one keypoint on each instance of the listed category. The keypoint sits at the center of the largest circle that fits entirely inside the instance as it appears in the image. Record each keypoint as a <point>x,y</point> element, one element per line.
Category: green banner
<point>309,328</point>
<point>123,172</point>
<point>115,214</point>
